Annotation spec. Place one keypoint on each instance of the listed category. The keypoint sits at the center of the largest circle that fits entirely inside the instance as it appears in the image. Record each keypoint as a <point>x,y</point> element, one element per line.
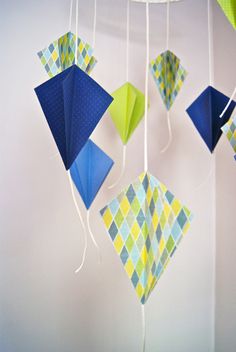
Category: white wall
<point>44,305</point>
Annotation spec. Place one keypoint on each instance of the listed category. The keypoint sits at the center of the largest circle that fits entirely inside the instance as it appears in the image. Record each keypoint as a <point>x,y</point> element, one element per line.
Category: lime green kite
<point>229,9</point>
<point>127,110</point>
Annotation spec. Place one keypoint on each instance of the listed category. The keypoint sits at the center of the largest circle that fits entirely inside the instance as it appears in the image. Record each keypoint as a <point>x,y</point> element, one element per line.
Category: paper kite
<point>146,224</point>
<point>60,55</point>
<point>229,9</point>
<point>168,75</point>
<point>73,104</point>
<point>229,129</point>
<point>89,170</point>
<point>205,114</point>
<point>127,110</point>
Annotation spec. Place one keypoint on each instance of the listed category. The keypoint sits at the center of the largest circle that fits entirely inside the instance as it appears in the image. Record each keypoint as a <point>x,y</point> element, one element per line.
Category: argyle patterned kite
<point>168,75</point>
<point>229,9</point>
<point>146,224</point>
<point>229,129</point>
<point>60,55</point>
<point>127,110</point>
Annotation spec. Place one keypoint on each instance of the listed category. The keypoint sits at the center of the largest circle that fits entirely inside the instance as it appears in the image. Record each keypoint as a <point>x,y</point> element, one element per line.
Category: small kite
<point>146,223</point>
<point>60,55</point>
<point>88,172</point>
<point>205,114</point>
<point>229,9</point>
<point>73,104</point>
<point>169,76</point>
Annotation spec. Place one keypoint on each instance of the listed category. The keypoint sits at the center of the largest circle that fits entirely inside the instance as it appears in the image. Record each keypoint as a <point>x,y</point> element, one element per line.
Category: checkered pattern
<point>60,55</point>
<point>229,9</point>
<point>146,224</point>
<point>229,129</point>
<point>168,75</point>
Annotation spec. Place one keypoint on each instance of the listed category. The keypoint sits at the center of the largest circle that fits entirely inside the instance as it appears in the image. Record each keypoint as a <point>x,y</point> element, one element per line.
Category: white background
<point>44,306</point>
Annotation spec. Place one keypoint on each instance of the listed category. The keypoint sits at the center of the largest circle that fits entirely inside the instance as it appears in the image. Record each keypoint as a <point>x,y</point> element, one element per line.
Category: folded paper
<point>168,75</point>
<point>229,129</point>
<point>73,104</point>
<point>127,110</point>
<point>146,224</point>
<point>205,114</point>
<point>229,9</point>
<point>89,171</point>
<point>60,54</point>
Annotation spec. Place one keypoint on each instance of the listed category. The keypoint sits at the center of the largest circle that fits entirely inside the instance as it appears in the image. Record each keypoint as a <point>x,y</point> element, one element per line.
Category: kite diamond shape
<point>146,223</point>
<point>89,171</point>
<point>127,110</point>
<point>168,75</point>
<point>60,54</point>
<point>229,129</point>
<point>73,104</point>
<point>205,114</point>
<point>229,9</point>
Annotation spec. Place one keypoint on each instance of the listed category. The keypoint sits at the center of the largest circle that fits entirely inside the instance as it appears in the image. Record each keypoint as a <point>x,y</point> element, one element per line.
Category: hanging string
<point>127,40</point>
<point>146,89</point>
<point>143,328</point>
<point>167,48</point>
<point>210,44</point>
<point>122,169</point>
<point>92,236</point>
<point>76,31</point>
<point>81,220</point>
<point>94,24</point>
<point>228,104</point>
<point>70,16</point>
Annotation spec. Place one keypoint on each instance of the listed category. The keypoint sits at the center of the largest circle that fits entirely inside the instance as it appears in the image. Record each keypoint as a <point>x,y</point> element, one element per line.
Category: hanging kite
<point>88,173</point>
<point>168,74</point>
<point>73,104</point>
<point>229,9</point>
<point>146,222</point>
<point>60,54</point>
<point>229,129</point>
<point>127,108</point>
<point>205,114</point>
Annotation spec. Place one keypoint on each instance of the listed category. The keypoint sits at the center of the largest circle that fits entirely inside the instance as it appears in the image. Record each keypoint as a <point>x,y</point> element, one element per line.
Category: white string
<point>170,133</point>
<point>229,102</point>
<point>70,16</point>
<point>76,31</point>
<point>210,44</point>
<point>167,24</point>
<point>81,220</point>
<point>94,24</point>
<point>92,236</point>
<point>127,40</point>
<point>146,88</point>
<point>122,169</point>
<point>143,328</point>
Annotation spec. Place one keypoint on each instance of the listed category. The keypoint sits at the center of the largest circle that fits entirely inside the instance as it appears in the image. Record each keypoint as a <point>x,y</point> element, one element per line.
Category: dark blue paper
<point>205,113</point>
<point>73,104</point>
<point>89,171</point>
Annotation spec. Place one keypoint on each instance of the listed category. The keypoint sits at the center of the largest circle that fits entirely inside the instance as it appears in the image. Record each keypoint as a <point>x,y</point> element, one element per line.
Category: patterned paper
<point>146,224</point>
<point>168,75</point>
<point>229,129</point>
<point>60,55</point>
<point>229,9</point>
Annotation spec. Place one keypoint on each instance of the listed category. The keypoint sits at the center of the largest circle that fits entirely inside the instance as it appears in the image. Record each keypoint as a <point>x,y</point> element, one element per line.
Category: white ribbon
<point>146,89</point>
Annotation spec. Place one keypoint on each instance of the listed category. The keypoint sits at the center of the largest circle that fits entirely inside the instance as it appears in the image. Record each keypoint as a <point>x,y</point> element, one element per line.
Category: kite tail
<point>82,223</point>
<point>143,328</point>
<point>170,133</point>
<point>122,169</point>
<point>92,236</point>
<point>229,102</point>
